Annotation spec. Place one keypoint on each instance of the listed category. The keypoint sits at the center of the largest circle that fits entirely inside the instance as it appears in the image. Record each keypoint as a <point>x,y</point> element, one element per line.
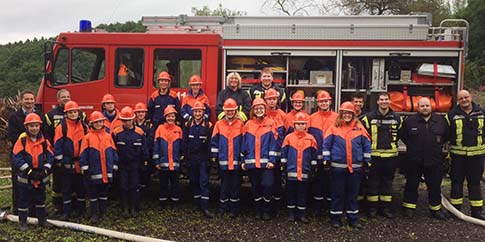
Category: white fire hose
<point>84,228</point>
<point>446,204</point>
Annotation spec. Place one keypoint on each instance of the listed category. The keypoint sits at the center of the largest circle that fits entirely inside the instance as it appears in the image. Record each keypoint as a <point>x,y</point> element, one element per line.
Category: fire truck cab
<point>402,55</point>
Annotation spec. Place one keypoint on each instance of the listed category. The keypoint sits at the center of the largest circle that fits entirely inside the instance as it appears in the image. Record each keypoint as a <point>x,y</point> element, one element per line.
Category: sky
<point>21,20</point>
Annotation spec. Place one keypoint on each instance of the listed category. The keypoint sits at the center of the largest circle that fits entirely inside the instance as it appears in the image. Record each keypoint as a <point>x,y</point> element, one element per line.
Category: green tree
<point>129,26</point>
<point>219,11</point>
<point>475,66</point>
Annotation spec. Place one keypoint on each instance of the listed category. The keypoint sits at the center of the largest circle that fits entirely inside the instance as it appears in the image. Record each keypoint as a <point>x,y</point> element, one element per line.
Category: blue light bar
<point>85,26</point>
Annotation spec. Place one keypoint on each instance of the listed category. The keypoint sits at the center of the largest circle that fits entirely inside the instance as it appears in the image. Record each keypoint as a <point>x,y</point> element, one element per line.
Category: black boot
<point>23,220</point>
<point>134,212</point>
<point>458,206</point>
<point>386,212</point>
<point>407,212</point>
<point>207,213</point>
<point>303,218</point>
<point>42,218</point>
<point>477,213</point>
<point>372,212</point>
<point>291,215</point>
<point>438,214</point>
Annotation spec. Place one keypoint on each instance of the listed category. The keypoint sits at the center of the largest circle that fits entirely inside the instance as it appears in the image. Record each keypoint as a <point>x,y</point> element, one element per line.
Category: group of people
<point>336,157</point>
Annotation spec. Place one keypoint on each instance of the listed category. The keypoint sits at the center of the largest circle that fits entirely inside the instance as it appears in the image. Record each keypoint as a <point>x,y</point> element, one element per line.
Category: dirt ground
<point>183,223</point>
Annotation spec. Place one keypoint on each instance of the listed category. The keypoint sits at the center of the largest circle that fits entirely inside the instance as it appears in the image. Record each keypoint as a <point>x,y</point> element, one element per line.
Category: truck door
<point>130,83</point>
<point>82,71</point>
<point>181,63</point>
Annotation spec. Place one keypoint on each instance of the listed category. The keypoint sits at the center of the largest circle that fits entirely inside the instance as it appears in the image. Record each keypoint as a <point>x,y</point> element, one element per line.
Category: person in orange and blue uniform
<point>226,149</point>
<point>297,102</point>
<point>167,156</point>
<point>259,150</point>
<point>298,156</point>
<point>67,145</point>
<point>33,158</point>
<point>110,113</point>
<point>278,116</point>
<point>98,161</point>
<point>195,94</point>
<point>197,136</point>
<point>161,99</point>
<point>145,124</point>
<point>347,155</point>
<point>319,122</point>
<point>132,151</point>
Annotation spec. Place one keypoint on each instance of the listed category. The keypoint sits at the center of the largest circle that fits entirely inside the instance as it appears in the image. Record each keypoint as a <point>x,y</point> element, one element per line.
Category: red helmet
<point>301,117</point>
<point>168,110</point>
<point>258,101</point>
<point>164,75</point>
<point>96,116</point>
<point>141,107</point>
<point>71,105</point>
<point>127,113</point>
<point>108,98</point>
<point>198,105</point>
<point>347,106</point>
<point>323,95</point>
<point>230,104</point>
<point>270,93</point>
<point>195,79</point>
<point>297,96</point>
<point>32,118</point>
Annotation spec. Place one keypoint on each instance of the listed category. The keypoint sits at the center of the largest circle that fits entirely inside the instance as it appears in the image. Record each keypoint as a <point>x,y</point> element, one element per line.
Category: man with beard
<point>424,134</point>
<point>467,148</point>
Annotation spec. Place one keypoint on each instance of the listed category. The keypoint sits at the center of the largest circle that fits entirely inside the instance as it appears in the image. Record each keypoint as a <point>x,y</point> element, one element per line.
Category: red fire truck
<point>402,55</point>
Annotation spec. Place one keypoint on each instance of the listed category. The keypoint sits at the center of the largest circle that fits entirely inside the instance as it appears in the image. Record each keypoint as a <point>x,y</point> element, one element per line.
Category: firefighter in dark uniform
<point>424,134</point>
<point>15,128</point>
<point>53,118</point>
<point>259,89</point>
<point>33,157</point>
<point>467,148</point>
<point>382,125</point>
<point>132,151</point>
<point>161,99</point>
<point>196,139</point>
<point>145,124</point>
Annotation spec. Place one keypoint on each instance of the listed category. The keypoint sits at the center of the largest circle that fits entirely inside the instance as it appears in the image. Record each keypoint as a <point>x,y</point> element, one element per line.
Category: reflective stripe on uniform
<point>373,198</point>
<point>253,161</point>
<point>456,201</point>
<point>385,198</point>
<point>225,162</point>
<point>435,208</point>
<point>294,174</point>
<point>409,205</point>
<point>23,167</point>
<point>385,153</point>
<point>167,164</point>
<point>459,131</point>
<point>476,203</point>
<point>338,165</point>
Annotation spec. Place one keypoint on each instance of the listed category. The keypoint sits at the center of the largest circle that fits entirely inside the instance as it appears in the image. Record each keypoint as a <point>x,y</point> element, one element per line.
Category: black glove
<point>85,174</point>
<point>30,174</point>
<point>366,167</point>
<point>36,174</point>
<point>327,167</point>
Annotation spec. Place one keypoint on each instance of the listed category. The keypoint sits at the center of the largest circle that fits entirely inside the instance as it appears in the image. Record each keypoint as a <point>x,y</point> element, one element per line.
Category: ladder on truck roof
<point>396,27</point>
